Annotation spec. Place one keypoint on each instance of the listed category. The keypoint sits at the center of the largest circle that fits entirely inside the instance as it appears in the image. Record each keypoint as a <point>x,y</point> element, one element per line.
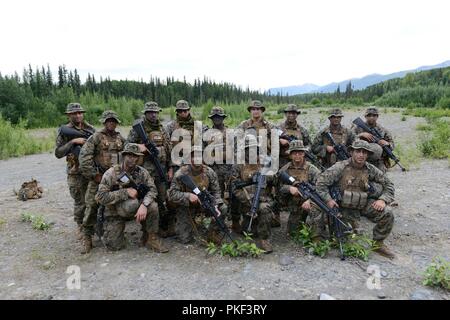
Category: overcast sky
<point>262,44</point>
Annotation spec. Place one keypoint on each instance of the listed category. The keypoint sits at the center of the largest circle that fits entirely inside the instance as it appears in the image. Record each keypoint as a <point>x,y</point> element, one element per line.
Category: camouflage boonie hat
<point>182,105</point>
<point>371,110</point>
<point>217,111</point>
<point>74,107</point>
<point>132,148</point>
<point>292,108</point>
<point>360,144</point>
<point>335,113</point>
<point>109,114</point>
<point>296,145</point>
<point>256,104</point>
<point>151,106</point>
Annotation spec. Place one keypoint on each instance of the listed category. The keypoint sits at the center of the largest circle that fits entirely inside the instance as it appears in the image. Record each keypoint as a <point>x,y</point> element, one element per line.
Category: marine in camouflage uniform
<point>253,126</point>
<point>322,146</point>
<point>302,171</point>
<point>187,205</point>
<point>378,158</point>
<point>158,135</point>
<point>217,115</point>
<point>291,127</point>
<point>261,224</point>
<point>353,176</point>
<point>123,203</point>
<point>100,152</point>
<point>64,147</point>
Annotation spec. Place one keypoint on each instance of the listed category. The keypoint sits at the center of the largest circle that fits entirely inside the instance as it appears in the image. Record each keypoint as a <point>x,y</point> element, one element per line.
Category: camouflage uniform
<point>159,136</point>
<point>206,179</point>
<point>305,173</point>
<point>292,129</point>
<point>341,135</point>
<point>261,225</point>
<point>378,158</point>
<point>119,208</point>
<point>98,154</point>
<point>76,181</point>
<point>356,200</point>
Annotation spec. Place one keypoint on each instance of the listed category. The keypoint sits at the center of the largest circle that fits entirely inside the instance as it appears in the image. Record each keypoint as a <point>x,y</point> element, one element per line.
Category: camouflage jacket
<point>205,180</point>
<point>385,133</point>
<point>334,174</point>
<point>311,172</point>
<point>100,152</point>
<point>298,130</point>
<point>262,124</point>
<point>63,146</point>
<point>105,196</point>
<point>320,142</point>
<point>159,136</point>
<point>246,173</point>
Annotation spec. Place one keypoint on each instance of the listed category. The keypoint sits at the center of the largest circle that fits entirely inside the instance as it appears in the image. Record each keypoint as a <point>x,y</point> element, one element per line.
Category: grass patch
<point>37,222</point>
<point>408,154</point>
<point>236,248</point>
<point>435,140</point>
<point>2,223</point>
<point>437,274</point>
<point>15,141</point>
<point>429,113</point>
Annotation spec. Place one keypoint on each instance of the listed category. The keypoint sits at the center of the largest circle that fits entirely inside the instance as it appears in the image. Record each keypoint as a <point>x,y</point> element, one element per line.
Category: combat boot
<point>87,244</point>
<point>169,232</point>
<point>154,242</point>
<point>383,250</point>
<point>265,245</point>
<point>144,238</point>
<point>236,227</point>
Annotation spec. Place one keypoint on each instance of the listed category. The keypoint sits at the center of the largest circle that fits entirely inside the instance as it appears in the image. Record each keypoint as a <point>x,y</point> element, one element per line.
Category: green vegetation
<point>435,139</point>
<point>15,141</point>
<point>236,248</point>
<point>357,246</point>
<point>437,274</point>
<point>37,222</point>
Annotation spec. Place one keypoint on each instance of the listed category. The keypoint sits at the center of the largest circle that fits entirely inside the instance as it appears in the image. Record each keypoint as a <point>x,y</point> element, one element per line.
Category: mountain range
<point>357,83</point>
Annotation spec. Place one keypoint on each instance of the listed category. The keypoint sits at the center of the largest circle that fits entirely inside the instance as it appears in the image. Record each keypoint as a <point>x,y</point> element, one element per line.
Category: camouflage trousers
<point>261,225</point>
<point>384,220</point>
<point>223,172</point>
<point>297,216</point>
<point>186,225</point>
<point>77,188</point>
<point>90,214</point>
<point>114,227</point>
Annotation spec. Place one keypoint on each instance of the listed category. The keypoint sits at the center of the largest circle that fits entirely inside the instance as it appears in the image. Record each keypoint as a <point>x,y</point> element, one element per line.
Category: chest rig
<point>354,185</point>
<point>155,134</point>
<point>340,136</point>
<point>108,151</point>
<point>300,174</point>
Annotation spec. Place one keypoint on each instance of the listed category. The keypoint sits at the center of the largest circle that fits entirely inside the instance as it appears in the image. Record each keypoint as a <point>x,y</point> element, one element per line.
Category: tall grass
<point>435,139</point>
<point>15,141</point>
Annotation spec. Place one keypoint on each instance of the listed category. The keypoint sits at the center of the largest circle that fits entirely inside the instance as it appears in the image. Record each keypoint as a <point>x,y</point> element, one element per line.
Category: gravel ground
<point>33,263</point>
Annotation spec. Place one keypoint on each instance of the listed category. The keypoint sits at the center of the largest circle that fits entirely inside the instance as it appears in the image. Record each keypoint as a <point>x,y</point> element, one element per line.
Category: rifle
<point>377,137</point>
<point>207,203</point>
<point>72,133</point>
<point>339,149</point>
<point>142,189</point>
<point>153,151</point>
<point>336,226</point>
<point>235,185</point>
<point>308,154</point>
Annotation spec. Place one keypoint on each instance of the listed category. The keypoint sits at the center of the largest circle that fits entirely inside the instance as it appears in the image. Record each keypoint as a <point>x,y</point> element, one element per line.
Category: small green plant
<point>435,142</point>
<point>320,248</point>
<point>303,236</point>
<point>37,222</point>
<point>437,274</point>
<point>236,248</point>
<point>403,118</point>
<point>359,246</point>
<point>2,222</point>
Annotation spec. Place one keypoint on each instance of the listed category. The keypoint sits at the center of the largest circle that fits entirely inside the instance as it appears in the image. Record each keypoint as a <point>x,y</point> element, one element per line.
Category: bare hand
<point>284,142</point>
<point>294,191</point>
<point>193,198</point>
<point>141,213</point>
<point>330,149</point>
<point>367,136</point>
<point>170,174</point>
<point>132,193</point>
<point>306,205</point>
<point>383,142</point>
<point>80,141</point>
<point>142,147</point>
<point>332,204</point>
<point>379,205</point>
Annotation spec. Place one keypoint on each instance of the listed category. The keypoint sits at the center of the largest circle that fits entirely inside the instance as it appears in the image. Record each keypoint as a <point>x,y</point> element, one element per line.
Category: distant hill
<point>357,83</point>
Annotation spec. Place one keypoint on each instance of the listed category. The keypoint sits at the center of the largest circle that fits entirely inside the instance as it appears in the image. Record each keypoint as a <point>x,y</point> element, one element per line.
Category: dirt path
<point>33,263</point>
